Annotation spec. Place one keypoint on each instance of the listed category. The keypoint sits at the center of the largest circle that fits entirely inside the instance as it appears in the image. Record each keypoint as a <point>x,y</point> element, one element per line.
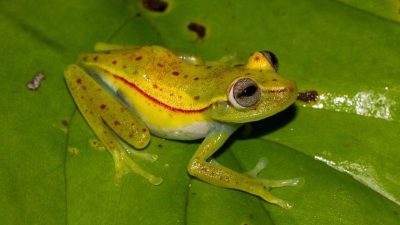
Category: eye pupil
<point>248,91</point>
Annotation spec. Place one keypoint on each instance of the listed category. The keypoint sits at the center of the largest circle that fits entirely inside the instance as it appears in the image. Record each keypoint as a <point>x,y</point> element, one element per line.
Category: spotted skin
<point>177,96</point>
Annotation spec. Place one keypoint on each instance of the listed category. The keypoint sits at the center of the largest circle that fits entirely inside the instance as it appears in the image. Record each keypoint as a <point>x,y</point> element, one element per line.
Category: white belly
<point>193,131</point>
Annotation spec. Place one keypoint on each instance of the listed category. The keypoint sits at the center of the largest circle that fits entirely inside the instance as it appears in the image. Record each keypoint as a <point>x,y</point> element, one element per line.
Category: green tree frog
<point>127,92</point>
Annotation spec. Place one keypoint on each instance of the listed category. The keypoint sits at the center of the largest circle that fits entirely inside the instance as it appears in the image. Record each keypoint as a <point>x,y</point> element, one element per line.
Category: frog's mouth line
<point>153,99</point>
<point>277,91</point>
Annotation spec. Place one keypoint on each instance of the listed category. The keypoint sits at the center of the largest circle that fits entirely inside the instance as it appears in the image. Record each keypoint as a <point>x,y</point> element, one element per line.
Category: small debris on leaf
<point>308,96</point>
<point>155,5</point>
<point>34,84</point>
<point>199,29</point>
<point>73,151</point>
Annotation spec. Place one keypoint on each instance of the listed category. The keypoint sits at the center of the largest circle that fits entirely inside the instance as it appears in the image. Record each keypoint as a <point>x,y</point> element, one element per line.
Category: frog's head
<point>256,91</point>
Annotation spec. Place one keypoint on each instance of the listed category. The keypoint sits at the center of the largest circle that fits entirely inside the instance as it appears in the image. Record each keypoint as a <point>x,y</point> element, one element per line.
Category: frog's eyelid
<point>271,58</point>
<point>232,99</point>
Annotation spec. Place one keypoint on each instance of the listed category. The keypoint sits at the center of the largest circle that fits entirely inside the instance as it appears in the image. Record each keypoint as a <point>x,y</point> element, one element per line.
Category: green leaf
<point>344,145</point>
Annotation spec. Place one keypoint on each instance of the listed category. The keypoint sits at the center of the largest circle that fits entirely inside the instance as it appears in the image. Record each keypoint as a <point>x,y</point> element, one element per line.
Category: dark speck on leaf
<point>308,96</point>
<point>199,29</point>
<point>64,123</point>
<point>155,5</point>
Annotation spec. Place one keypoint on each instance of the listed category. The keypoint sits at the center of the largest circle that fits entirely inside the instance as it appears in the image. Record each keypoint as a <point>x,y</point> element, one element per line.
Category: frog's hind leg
<point>124,164</point>
<point>110,119</point>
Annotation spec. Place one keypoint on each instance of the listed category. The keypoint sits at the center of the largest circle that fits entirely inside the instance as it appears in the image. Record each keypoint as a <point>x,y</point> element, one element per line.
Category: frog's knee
<point>194,167</point>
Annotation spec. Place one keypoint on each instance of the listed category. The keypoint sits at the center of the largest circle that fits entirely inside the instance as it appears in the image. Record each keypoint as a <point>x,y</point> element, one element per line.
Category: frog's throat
<point>153,99</point>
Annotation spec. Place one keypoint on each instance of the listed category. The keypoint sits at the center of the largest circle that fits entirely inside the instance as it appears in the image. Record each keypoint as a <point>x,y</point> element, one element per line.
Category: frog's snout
<point>284,91</point>
<point>292,87</point>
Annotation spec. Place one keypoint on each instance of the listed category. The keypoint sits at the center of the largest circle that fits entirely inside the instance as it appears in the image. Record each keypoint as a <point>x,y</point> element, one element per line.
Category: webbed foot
<point>125,164</point>
<point>269,184</point>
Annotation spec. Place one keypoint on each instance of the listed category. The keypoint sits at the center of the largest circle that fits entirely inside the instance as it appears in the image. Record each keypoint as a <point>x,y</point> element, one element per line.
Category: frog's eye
<point>244,93</point>
<point>272,59</point>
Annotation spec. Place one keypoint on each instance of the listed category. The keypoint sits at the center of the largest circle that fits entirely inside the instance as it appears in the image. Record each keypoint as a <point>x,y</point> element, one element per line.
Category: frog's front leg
<point>110,120</point>
<point>219,175</point>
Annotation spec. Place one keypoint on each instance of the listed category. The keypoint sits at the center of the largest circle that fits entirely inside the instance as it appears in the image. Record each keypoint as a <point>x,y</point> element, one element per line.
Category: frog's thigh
<point>99,109</point>
<point>219,175</point>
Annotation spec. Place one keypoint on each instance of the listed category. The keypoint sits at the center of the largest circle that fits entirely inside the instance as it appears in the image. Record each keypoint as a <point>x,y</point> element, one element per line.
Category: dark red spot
<point>196,97</point>
<point>196,78</point>
<point>160,65</point>
<point>274,79</point>
<point>257,58</point>
<point>155,86</point>
<point>144,130</point>
<point>114,62</point>
<point>199,29</point>
<point>107,52</point>
<point>78,81</point>
<point>95,58</point>
<point>308,96</point>
<point>102,106</point>
<point>155,5</point>
<point>116,123</point>
<point>138,58</point>
<point>185,76</point>
<point>124,66</point>
<point>175,73</point>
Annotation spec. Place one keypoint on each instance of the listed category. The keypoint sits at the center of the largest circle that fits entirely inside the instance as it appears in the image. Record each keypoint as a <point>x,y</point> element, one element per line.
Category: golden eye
<point>244,93</point>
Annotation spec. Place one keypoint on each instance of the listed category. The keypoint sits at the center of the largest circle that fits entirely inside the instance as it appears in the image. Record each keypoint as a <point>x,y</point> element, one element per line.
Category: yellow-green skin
<point>175,96</point>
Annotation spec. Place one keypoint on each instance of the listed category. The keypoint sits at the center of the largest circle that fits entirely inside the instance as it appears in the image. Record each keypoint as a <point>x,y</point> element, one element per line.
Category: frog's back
<point>160,74</point>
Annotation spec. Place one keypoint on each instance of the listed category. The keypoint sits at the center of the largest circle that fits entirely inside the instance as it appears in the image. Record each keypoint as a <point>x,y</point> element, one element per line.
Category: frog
<point>127,93</point>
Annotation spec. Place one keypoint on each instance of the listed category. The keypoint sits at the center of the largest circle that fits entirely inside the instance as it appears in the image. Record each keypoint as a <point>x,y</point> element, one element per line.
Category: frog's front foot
<point>269,184</point>
<point>125,164</point>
